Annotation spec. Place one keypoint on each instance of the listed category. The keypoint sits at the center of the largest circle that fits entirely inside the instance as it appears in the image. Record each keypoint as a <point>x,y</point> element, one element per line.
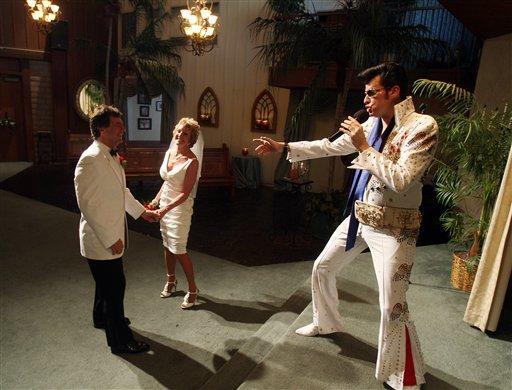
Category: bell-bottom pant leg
<point>326,315</point>
<point>393,258</point>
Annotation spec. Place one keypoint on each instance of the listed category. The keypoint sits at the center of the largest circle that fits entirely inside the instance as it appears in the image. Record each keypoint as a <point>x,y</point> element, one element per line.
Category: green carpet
<point>47,339</point>
<point>457,356</point>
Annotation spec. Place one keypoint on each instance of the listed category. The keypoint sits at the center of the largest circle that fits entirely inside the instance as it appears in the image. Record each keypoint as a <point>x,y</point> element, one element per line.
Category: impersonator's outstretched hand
<point>267,145</point>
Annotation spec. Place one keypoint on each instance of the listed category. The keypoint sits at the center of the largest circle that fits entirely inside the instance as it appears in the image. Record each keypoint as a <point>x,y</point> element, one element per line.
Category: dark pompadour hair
<point>101,118</point>
<point>391,74</point>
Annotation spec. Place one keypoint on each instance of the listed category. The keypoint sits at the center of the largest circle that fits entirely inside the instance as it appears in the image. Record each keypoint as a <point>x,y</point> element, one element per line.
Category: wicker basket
<point>460,277</point>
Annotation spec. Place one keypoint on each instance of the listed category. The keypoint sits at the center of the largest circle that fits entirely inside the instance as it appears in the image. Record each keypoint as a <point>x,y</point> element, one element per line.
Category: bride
<point>180,171</point>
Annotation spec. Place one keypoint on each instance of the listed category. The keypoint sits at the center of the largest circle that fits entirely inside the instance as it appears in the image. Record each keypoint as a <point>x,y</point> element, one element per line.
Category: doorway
<point>13,143</point>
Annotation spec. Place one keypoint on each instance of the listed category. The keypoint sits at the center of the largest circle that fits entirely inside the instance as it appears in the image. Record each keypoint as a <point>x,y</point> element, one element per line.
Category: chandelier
<point>44,13</point>
<point>200,26</point>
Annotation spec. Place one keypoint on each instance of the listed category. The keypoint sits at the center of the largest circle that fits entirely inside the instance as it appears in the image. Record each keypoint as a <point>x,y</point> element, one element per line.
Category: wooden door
<point>13,146</point>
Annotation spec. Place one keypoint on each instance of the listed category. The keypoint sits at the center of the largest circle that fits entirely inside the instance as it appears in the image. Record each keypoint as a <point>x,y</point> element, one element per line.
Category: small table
<point>296,185</point>
<point>247,171</point>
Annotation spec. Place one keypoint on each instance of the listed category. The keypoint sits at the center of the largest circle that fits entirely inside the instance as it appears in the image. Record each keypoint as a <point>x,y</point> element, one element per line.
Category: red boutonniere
<point>122,159</point>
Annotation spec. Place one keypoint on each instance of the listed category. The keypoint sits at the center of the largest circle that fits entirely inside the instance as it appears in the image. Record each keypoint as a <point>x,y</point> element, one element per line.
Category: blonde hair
<point>193,126</point>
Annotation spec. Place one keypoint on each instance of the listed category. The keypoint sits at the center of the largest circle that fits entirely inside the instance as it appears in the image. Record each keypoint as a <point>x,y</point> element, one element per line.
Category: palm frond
<point>164,74</point>
<point>456,99</point>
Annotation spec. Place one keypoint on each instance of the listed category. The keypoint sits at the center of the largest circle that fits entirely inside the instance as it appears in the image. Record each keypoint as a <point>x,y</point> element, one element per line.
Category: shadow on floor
<point>169,362</point>
<point>435,379</point>
<point>234,311</point>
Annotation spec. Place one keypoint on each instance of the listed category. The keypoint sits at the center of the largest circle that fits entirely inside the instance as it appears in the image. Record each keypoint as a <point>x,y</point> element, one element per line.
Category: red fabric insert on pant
<point>409,374</point>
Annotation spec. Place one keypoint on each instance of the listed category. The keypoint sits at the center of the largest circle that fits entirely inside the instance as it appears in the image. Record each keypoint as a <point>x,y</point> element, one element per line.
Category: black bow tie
<point>113,152</point>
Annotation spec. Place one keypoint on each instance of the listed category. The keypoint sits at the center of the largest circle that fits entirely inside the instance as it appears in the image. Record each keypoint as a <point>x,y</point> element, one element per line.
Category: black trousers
<point>108,306</point>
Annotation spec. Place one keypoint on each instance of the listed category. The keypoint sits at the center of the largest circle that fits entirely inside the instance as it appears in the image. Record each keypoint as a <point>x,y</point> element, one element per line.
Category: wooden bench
<point>216,169</point>
<point>77,143</point>
<point>144,162</point>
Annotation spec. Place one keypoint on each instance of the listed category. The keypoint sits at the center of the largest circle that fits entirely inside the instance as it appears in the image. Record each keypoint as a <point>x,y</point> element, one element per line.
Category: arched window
<point>264,113</point>
<point>208,109</point>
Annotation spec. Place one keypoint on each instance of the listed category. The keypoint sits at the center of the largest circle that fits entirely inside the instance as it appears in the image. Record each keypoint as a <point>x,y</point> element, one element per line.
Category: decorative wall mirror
<point>208,109</point>
<point>89,95</point>
<point>264,113</point>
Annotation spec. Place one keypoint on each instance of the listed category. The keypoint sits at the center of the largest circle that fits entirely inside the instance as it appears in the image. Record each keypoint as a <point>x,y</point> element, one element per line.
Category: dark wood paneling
<point>16,27</point>
<point>86,21</point>
<point>60,106</point>
<point>21,40</point>
<point>18,100</point>
<point>27,54</point>
<point>20,25</point>
<point>27,108</point>
<point>7,23</point>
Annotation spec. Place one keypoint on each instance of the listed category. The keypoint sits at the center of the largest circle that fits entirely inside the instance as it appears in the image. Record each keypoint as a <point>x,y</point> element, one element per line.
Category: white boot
<point>308,330</point>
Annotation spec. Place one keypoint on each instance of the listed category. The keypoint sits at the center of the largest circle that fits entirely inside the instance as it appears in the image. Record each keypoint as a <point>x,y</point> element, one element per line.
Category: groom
<point>103,198</point>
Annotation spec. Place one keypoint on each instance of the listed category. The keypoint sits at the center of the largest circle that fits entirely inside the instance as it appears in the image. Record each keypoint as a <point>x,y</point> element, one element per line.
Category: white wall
<point>494,79</point>
<point>237,78</point>
<point>493,85</point>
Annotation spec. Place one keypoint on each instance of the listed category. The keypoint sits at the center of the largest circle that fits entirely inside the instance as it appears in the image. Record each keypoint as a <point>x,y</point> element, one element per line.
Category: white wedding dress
<point>175,224</point>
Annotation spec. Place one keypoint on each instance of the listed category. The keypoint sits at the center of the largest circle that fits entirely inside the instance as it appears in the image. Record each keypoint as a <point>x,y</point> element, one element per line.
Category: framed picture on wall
<point>144,110</point>
<point>158,106</point>
<point>142,98</point>
<point>144,123</point>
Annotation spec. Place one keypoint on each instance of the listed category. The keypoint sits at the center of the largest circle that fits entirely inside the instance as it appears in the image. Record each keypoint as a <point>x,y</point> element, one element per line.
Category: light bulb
<point>51,17</point>
<point>210,31</point>
<point>205,13</point>
<point>55,8</point>
<point>31,3</point>
<point>185,13</point>
<point>39,7</point>
<point>212,19</point>
<point>35,15</point>
<point>47,18</point>
<point>47,3</point>
<point>202,33</point>
<point>196,29</point>
<point>192,19</point>
<point>188,31</point>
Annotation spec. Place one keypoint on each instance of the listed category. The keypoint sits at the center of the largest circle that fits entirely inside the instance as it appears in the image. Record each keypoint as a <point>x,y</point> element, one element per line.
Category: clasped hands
<point>153,212</point>
<point>150,215</point>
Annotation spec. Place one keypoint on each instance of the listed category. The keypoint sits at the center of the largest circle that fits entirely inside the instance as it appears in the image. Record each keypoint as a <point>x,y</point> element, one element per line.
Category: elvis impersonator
<point>396,145</point>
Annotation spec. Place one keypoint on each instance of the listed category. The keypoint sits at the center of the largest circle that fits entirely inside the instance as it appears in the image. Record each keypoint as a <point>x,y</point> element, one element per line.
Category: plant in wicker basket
<point>474,145</point>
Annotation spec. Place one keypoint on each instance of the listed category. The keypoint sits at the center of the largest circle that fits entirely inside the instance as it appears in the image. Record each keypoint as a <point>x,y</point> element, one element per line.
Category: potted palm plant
<point>474,145</point>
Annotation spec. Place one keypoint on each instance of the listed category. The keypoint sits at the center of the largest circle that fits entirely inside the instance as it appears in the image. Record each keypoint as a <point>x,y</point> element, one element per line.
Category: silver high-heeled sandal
<point>167,291</point>
<point>186,304</point>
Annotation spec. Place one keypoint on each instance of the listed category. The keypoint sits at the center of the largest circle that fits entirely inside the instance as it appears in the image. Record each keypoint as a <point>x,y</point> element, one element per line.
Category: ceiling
<point>485,18</point>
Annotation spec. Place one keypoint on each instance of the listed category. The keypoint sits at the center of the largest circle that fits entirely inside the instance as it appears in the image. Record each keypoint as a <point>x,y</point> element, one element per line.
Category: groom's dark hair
<point>101,118</point>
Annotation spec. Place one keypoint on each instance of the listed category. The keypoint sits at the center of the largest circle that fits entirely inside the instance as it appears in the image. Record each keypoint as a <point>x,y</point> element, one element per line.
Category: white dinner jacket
<point>100,187</point>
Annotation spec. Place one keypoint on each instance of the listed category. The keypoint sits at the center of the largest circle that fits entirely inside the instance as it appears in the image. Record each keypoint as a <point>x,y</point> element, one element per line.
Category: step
<point>337,361</point>
<point>233,373</point>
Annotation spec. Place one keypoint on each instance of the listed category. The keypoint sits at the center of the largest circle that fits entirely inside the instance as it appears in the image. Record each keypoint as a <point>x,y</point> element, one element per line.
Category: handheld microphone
<point>361,116</point>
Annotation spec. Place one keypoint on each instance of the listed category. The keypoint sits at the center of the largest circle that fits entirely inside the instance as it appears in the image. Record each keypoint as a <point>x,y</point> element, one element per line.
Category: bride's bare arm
<point>188,185</point>
<point>154,203</point>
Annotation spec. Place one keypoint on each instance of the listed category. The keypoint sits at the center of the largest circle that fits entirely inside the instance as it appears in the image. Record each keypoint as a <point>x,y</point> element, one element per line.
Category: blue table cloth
<point>247,171</point>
